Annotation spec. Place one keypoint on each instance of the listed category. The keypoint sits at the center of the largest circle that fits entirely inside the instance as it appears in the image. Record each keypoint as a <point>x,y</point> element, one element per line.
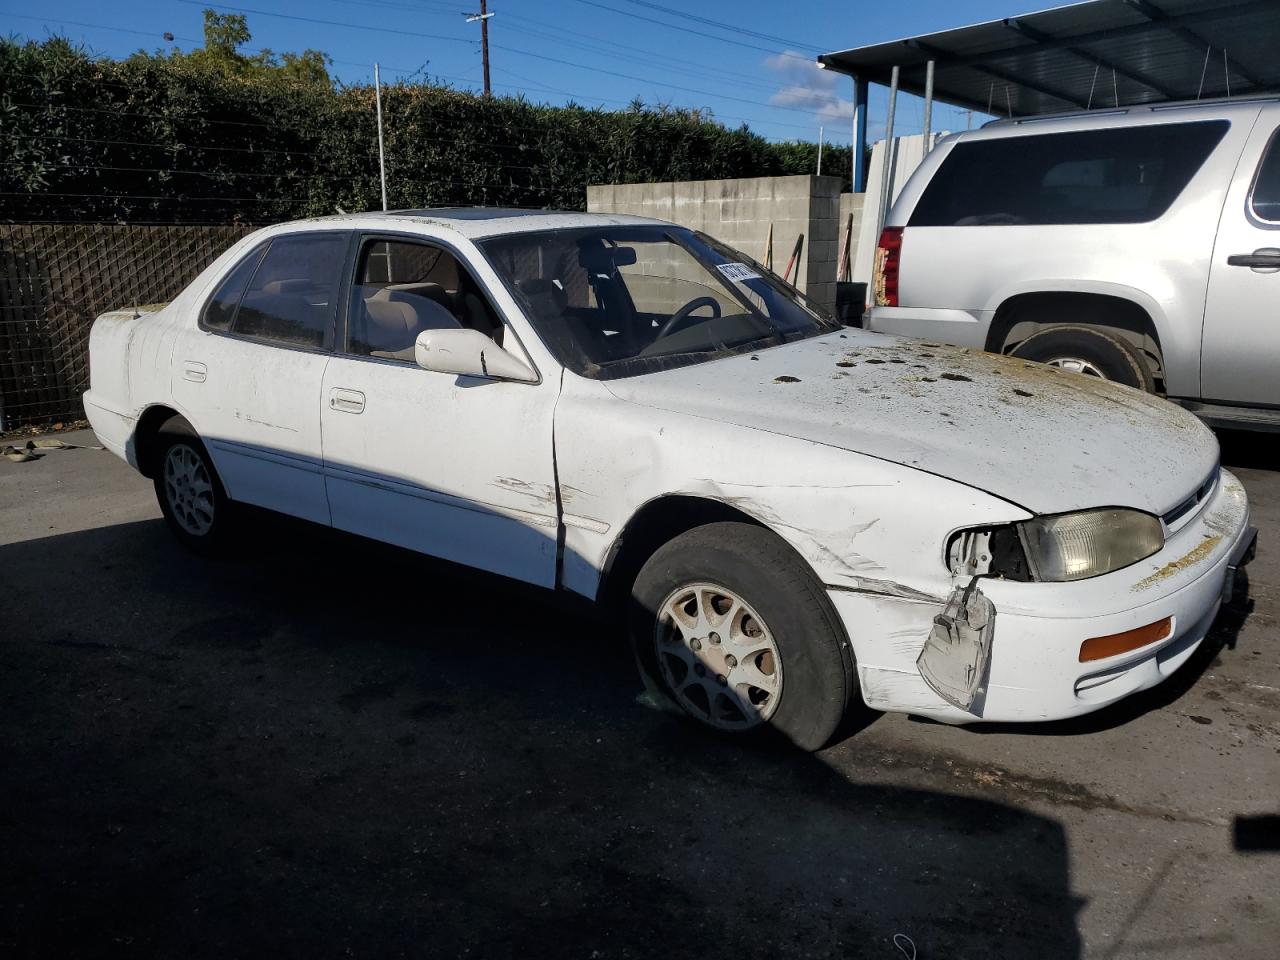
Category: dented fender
<point>866,527</point>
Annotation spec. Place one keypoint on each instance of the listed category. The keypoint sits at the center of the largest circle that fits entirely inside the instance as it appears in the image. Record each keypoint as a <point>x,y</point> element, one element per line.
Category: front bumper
<point>1034,670</point>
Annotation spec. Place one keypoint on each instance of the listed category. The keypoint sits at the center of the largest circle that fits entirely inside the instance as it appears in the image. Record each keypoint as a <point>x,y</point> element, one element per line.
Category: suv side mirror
<point>468,353</point>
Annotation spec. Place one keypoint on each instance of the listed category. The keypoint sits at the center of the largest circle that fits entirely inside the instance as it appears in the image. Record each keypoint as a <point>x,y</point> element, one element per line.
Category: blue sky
<point>595,52</point>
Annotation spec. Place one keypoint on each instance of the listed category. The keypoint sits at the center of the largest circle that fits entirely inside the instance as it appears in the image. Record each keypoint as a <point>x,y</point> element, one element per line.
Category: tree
<point>226,33</point>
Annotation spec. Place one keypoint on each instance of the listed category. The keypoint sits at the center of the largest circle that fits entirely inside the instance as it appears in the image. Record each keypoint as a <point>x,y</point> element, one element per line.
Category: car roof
<point>1134,115</point>
<point>471,222</point>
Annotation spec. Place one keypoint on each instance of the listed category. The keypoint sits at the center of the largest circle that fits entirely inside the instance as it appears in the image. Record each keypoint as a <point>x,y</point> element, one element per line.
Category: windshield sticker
<point>737,272</point>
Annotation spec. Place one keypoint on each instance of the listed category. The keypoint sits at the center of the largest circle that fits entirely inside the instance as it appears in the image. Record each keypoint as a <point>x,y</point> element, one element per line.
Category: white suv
<point>1140,245</point>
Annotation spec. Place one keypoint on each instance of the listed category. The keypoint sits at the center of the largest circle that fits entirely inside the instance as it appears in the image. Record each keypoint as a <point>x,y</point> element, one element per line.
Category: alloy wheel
<point>188,489</point>
<point>718,657</point>
<point>1076,365</point>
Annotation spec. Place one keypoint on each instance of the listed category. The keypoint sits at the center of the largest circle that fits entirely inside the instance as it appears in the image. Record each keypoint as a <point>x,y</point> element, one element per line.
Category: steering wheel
<point>681,315</point>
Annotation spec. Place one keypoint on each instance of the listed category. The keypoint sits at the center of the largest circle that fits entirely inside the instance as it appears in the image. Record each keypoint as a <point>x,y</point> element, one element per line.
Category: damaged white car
<point>789,515</point>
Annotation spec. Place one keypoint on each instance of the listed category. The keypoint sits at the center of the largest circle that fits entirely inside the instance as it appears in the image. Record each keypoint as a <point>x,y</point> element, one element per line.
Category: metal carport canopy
<point>1093,54</point>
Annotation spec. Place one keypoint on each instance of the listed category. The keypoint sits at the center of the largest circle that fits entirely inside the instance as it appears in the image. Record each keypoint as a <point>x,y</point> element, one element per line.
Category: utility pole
<point>483,16</point>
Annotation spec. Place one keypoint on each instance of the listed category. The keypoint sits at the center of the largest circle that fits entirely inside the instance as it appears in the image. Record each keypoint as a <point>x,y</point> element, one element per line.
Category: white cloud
<point>806,86</point>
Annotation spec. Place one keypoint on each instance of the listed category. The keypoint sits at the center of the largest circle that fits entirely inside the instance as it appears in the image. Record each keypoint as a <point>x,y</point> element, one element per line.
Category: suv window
<point>1266,189</point>
<point>1121,175</point>
<point>221,309</point>
<point>291,298</point>
<point>403,288</point>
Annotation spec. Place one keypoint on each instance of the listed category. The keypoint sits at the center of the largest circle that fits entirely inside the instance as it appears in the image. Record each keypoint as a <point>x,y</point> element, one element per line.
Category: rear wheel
<point>1091,352</point>
<point>190,494</point>
<point>734,629</point>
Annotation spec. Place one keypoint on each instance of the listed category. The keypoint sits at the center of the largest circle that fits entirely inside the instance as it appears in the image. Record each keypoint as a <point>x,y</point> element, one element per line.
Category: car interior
<point>404,289</point>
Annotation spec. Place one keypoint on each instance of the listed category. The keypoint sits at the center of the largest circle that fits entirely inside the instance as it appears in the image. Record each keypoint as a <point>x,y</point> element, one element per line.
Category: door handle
<point>1268,258</point>
<point>194,371</point>
<point>347,401</point>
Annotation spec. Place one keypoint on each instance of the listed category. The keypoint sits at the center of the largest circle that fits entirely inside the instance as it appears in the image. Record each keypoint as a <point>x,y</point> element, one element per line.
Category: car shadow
<point>325,746</point>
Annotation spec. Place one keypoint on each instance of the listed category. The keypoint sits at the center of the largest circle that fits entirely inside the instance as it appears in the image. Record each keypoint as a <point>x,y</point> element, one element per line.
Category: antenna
<point>382,162</point>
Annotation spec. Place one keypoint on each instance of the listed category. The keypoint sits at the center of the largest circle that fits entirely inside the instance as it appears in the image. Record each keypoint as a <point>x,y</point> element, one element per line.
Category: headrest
<point>278,287</point>
<point>391,315</point>
<point>599,258</point>
<point>432,291</point>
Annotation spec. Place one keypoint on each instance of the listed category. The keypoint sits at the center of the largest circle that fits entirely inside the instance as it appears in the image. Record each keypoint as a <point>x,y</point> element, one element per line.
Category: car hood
<point>1045,439</point>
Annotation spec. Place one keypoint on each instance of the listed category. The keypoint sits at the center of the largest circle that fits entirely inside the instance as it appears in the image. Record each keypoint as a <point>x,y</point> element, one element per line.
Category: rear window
<point>1123,175</point>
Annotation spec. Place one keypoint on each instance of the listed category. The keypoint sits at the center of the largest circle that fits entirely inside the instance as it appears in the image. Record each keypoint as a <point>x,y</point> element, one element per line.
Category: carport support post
<point>888,153</point>
<point>928,106</point>
<point>382,162</point>
<point>859,135</point>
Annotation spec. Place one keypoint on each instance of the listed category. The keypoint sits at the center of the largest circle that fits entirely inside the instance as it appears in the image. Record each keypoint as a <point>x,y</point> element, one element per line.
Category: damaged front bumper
<point>997,650</point>
<point>957,653</point>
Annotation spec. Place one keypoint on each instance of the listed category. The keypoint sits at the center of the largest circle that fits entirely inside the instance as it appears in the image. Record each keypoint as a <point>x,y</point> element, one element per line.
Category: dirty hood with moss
<point>1045,439</point>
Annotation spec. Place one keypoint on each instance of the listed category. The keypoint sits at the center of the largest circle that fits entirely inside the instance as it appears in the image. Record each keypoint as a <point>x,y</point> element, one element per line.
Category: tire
<point>746,606</point>
<point>1091,351</point>
<point>191,495</point>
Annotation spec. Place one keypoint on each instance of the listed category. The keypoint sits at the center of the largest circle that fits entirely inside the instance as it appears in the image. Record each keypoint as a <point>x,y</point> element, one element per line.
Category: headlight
<point>1074,546</point>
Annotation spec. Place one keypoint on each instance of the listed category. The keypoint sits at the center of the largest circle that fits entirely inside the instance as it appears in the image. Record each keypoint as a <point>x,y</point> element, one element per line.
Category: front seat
<point>391,327</point>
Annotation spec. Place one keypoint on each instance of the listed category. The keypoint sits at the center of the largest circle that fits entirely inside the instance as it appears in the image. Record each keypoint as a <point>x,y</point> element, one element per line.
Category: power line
<point>330,23</point>
<point>700,33</point>
<point>517,50</point>
<point>670,11</point>
<point>629,51</point>
<point>99,26</point>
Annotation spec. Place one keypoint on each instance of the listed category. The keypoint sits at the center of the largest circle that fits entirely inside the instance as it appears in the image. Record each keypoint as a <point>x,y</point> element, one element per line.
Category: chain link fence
<point>56,278</point>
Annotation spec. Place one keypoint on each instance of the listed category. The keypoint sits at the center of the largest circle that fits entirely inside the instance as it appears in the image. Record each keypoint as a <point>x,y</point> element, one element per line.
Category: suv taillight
<point>888,260</point>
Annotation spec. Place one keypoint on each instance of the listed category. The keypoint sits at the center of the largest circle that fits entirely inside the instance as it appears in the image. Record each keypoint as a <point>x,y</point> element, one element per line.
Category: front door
<point>459,468</point>
<point>1240,357</point>
<point>251,375</point>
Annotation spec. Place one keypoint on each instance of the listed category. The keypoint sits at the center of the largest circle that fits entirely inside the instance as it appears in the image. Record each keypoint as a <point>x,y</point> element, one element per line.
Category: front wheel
<point>734,629</point>
<point>190,493</point>
<point>1091,352</point>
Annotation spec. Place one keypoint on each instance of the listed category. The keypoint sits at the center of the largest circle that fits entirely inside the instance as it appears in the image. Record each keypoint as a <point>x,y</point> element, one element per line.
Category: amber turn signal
<point>1099,648</point>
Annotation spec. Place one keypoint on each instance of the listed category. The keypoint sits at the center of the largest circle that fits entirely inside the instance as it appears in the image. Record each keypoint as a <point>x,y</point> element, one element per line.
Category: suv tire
<point>727,604</point>
<point>1090,351</point>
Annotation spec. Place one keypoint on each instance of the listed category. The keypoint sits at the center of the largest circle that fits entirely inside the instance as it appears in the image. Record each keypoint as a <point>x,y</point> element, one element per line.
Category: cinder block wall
<point>739,212</point>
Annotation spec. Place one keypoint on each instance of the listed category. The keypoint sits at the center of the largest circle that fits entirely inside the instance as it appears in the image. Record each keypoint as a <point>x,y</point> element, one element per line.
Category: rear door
<point>250,377</point>
<point>1241,348</point>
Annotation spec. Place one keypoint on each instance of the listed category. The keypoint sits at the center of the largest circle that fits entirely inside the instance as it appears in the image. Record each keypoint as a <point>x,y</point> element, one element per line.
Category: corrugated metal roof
<point>1092,54</point>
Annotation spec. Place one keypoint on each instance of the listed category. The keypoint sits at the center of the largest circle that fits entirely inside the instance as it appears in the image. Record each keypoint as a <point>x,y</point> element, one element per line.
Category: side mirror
<point>468,353</point>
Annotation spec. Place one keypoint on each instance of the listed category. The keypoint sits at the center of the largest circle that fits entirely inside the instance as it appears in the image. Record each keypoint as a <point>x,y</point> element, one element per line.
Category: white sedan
<point>786,514</point>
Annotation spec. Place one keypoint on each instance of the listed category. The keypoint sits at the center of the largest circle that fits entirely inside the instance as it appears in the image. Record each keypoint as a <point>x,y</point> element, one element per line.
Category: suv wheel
<point>1091,352</point>
<point>732,627</point>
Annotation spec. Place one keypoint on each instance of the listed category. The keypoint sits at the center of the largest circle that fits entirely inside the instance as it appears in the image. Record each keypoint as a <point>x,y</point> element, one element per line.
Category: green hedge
<point>155,139</point>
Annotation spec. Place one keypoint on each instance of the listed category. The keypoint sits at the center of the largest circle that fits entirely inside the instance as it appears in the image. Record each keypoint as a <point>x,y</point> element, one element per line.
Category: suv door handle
<point>347,401</point>
<point>1268,258</point>
<point>195,371</point>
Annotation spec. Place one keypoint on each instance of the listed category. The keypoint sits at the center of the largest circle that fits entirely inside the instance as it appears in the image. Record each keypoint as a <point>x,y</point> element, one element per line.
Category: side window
<point>291,298</point>
<point>403,288</point>
<point>1119,175</point>
<point>1266,189</point>
<point>221,308</point>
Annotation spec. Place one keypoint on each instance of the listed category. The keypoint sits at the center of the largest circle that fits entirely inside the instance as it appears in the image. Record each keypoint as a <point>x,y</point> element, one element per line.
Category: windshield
<point>619,301</point>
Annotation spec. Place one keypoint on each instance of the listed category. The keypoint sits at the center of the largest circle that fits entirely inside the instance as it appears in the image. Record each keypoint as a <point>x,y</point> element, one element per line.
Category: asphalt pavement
<point>326,747</point>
